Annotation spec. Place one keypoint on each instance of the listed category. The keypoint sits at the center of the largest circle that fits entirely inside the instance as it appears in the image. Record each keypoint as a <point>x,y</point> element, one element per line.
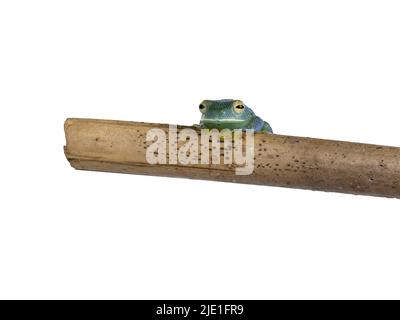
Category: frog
<point>230,114</point>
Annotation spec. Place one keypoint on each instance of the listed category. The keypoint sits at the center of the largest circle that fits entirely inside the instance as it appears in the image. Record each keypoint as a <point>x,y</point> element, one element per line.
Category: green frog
<point>230,114</point>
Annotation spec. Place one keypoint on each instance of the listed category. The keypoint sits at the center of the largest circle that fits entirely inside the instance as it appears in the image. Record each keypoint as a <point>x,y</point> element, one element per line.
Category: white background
<point>326,69</point>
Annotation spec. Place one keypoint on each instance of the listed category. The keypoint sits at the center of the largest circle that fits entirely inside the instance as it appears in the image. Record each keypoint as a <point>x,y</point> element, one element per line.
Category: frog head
<point>225,114</point>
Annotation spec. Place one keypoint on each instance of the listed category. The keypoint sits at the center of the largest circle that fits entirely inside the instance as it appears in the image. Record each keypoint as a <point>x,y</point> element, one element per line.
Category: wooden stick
<point>285,161</point>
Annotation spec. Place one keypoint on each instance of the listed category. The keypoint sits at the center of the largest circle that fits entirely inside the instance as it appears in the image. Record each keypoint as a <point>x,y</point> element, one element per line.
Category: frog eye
<point>239,108</point>
<point>202,108</point>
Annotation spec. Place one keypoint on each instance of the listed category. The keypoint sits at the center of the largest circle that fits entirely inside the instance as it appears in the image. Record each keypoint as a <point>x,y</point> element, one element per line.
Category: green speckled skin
<point>230,114</point>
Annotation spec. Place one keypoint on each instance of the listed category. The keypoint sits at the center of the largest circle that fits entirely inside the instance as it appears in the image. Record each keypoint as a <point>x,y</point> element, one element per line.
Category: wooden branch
<point>119,146</point>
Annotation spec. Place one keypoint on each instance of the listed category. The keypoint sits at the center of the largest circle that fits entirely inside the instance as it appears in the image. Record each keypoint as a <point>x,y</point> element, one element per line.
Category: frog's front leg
<point>259,125</point>
<point>266,128</point>
<point>197,126</point>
